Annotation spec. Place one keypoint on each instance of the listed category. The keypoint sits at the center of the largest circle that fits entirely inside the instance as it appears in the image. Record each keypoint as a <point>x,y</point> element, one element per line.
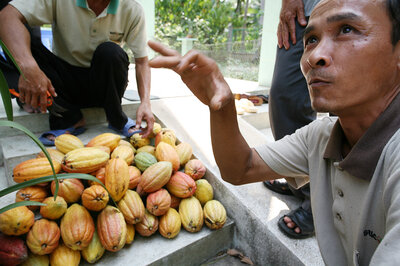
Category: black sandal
<point>278,186</point>
<point>303,220</point>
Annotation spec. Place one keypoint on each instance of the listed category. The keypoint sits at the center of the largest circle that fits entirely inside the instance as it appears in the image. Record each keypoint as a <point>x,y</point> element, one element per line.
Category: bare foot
<point>289,223</point>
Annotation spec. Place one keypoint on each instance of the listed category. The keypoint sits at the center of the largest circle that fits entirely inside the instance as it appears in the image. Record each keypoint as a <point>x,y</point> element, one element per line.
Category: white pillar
<point>269,42</point>
<point>149,10</point>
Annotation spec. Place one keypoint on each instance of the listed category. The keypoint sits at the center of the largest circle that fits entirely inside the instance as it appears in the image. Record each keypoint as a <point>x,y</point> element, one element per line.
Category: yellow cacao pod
<point>34,168</point>
<point>36,260</point>
<point>77,227</point>
<point>127,143</point>
<point>185,152</point>
<point>214,214</point>
<point>148,148</point>
<point>43,237</point>
<point>132,207</point>
<point>111,227</point>
<point>138,141</point>
<point>204,191</point>
<point>54,209</point>
<point>95,198</point>
<point>63,256</point>
<point>117,178</point>
<point>32,193</point>
<point>166,135</point>
<point>16,221</point>
<point>191,214</point>
<point>165,152</point>
<point>123,152</point>
<point>158,203</point>
<point>56,155</point>
<point>84,160</point>
<point>148,225</point>
<point>155,176</point>
<point>130,233</point>
<point>156,129</point>
<point>170,224</point>
<point>67,142</point>
<point>94,251</point>
<point>110,140</point>
<point>103,148</point>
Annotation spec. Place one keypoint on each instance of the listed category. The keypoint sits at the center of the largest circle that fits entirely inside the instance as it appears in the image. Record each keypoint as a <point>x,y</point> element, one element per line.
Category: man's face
<point>349,61</point>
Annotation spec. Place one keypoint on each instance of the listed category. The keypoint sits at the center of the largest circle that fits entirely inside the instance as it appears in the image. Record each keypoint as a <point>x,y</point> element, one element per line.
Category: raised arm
<point>33,89</point>
<point>238,163</point>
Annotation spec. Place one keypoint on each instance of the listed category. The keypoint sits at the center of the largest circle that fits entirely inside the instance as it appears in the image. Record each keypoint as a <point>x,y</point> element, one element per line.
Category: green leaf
<point>5,49</point>
<point>5,95</point>
<point>36,140</point>
<point>44,179</point>
<point>21,203</point>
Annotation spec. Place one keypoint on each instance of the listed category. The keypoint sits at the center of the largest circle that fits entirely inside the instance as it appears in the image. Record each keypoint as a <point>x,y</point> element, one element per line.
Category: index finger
<point>43,102</point>
<point>162,49</point>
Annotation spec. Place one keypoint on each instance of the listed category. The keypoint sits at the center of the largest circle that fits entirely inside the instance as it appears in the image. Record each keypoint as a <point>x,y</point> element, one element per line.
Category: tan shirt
<point>77,31</point>
<point>356,199</point>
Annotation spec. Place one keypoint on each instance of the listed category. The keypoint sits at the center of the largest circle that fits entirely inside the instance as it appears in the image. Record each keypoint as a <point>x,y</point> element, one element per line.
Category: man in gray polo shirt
<point>87,67</point>
<point>351,63</point>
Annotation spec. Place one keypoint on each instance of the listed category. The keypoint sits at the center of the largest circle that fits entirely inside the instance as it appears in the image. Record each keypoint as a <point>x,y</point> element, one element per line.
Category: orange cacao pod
<point>158,202</point>
<point>134,176</point>
<point>110,140</point>
<point>166,135</point>
<point>156,176</point>
<point>123,152</point>
<point>148,225</point>
<point>175,201</point>
<point>100,174</point>
<point>170,224</point>
<point>67,142</point>
<point>148,148</point>
<point>185,152</point>
<point>191,214</point>
<point>55,155</point>
<point>77,227</point>
<point>111,227</point>
<point>195,169</point>
<point>181,185</point>
<point>70,189</point>
<point>34,168</point>
<point>140,191</point>
<point>84,160</point>
<point>54,209</point>
<point>32,193</point>
<point>16,221</point>
<point>132,207</point>
<point>95,198</point>
<point>43,237</point>
<point>117,178</point>
<point>165,152</point>
<point>63,256</point>
<point>214,214</point>
<point>130,233</point>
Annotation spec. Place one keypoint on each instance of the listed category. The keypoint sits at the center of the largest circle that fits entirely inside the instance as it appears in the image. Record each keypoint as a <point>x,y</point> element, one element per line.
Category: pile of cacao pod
<point>156,185</point>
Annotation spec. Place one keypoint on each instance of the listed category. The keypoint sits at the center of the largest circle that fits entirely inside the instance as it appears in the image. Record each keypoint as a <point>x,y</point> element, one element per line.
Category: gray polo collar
<point>363,157</point>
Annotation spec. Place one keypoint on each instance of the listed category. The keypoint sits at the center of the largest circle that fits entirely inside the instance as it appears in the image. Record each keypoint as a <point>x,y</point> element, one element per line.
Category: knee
<point>111,53</point>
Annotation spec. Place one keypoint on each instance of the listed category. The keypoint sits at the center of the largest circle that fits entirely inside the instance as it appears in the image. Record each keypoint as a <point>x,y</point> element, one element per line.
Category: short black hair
<point>393,7</point>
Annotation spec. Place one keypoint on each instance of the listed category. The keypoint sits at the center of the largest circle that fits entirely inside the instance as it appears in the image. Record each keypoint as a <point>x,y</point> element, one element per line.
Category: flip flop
<point>278,186</point>
<point>125,130</point>
<point>303,219</point>
<point>58,132</point>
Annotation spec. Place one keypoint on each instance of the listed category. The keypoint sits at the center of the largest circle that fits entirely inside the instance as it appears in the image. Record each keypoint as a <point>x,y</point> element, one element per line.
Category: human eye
<point>310,40</point>
<point>346,29</point>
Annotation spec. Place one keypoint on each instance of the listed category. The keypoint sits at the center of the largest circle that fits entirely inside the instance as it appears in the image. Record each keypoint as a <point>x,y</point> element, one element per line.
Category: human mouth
<point>317,82</point>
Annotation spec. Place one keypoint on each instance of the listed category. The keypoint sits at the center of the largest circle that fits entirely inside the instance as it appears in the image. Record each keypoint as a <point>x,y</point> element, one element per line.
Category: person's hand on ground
<point>200,74</point>
<point>33,86</point>
<point>144,113</point>
<point>291,9</point>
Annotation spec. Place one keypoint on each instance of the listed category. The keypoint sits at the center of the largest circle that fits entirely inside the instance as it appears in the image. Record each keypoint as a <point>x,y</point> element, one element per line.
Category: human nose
<point>319,56</point>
